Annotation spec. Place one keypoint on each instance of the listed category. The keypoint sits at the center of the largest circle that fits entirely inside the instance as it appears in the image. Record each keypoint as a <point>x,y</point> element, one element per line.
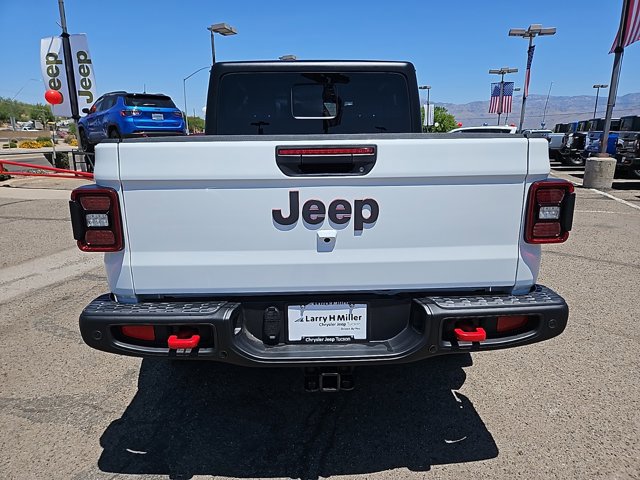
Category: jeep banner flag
<point>55,76</point>
<point>83,72</point>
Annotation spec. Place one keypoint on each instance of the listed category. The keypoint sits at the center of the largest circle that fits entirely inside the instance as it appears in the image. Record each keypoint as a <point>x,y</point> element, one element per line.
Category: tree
<point>442,118</point>
<point>41,112</point>
<point>196,124</point>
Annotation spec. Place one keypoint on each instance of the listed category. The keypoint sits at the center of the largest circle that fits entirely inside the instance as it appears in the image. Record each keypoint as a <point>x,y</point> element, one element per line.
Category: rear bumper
<point>401,328</point>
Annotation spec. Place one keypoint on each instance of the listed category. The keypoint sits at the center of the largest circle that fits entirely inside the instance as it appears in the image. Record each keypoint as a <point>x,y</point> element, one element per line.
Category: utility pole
<point>598,87</point>
<point>502,72</point>
<point>530,33</point>
<point>427,113</point>
<point>544,113</point>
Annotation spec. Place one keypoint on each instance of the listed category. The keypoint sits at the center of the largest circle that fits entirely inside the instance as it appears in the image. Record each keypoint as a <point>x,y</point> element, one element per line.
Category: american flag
<point>631,28</point>
<point>495,105</point>
<point>527,74</point>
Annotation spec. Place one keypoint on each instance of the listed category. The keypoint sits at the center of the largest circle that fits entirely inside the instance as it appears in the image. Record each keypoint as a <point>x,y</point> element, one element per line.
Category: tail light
<point>95,218</point>
<point>130,113</point>
<point>177,114</point>
<point>549,211</point>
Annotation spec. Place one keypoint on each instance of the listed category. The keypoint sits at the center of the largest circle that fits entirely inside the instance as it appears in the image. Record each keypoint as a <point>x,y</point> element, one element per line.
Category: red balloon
<point>459,124</point>
<point>54,97</point>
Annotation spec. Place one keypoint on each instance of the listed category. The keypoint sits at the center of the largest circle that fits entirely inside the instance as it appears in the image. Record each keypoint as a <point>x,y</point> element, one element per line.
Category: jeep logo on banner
<point>55,76</point>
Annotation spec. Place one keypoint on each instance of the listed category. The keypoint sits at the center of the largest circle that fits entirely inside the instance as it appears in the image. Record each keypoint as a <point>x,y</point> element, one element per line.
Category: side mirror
<point>86,110</point>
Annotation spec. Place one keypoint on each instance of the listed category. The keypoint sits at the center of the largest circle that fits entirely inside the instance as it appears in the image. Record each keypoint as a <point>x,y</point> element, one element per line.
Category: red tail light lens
<point>95,218</point>
<point>177,114</point>
<point>130,113</point>
<point>549,211</point>
<point>140,332</point>
<point>509,323</point>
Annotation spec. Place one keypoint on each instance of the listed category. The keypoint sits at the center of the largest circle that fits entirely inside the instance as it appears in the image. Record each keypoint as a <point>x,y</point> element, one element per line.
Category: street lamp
<point>533,31</point>
<point>502,72</point>
<point>427,113</point>
<point>223,29</point>
<point>598,86</point>
<point>184,92</point>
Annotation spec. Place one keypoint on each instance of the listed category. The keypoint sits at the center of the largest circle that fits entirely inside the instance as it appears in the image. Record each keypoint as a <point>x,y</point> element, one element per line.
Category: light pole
<point>502,72</point>
<point>184,93</point>
<point>223,29</point>
<point>506,119</point>
<point>598,86</point>
<point>427,113</point>
<point>530,33</point>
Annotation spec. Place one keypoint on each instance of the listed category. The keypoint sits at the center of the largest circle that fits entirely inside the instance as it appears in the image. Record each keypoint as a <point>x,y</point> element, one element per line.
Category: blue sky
<point>452,44</point>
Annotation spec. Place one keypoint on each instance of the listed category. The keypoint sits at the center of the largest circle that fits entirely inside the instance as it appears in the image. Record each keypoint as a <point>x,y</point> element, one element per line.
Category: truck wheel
<point>84,142</point>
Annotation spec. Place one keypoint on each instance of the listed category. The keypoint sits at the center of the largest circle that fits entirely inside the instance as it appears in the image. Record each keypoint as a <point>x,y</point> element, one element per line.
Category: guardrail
<point>57,172</point>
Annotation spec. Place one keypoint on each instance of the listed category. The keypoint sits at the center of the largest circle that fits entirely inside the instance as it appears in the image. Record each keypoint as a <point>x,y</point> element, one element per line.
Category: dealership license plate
<point>327,322</point>
<point>157,116</point>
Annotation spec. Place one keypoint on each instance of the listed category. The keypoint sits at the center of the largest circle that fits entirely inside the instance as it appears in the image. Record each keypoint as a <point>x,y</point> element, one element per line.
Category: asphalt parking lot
<point>564,409</point>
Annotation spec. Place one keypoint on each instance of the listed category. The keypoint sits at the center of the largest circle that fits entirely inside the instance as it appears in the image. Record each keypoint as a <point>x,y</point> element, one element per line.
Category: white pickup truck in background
<point>315,226</point>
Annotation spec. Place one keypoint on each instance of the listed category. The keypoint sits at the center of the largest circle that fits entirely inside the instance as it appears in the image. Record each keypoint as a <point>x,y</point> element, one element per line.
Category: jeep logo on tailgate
<point>339,212</point>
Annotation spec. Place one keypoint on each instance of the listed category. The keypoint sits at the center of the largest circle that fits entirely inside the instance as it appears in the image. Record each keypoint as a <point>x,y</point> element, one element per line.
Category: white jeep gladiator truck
<point>314,225</point>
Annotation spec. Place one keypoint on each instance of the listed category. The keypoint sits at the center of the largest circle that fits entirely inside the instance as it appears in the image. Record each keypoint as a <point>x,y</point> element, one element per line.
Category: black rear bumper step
<point>401,328</point>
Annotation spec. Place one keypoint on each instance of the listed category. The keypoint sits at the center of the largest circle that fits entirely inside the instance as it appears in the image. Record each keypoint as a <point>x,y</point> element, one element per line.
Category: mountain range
<point>559,110</point>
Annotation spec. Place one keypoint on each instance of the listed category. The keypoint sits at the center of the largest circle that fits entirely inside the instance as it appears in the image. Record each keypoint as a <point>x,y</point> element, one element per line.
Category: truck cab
<point>628,146</point>
<point>594,138</point>
<point>575,144</point>
<point>557,138</point>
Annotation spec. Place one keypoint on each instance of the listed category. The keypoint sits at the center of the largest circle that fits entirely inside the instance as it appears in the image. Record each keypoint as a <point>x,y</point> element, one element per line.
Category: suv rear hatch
<point>153,111</point>
<point>213,215</point>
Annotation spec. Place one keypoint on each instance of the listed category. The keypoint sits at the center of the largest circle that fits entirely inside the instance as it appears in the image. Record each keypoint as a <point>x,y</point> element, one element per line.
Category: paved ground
<point>563,409</point>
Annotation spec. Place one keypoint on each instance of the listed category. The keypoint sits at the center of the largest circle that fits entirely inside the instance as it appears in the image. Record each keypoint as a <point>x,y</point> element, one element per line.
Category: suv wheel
<point>113,133</point>
<point>84,142</point>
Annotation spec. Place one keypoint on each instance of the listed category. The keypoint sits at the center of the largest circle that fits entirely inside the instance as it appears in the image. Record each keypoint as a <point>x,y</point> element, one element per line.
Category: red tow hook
<point>176,343</point>
<point>477,335</point>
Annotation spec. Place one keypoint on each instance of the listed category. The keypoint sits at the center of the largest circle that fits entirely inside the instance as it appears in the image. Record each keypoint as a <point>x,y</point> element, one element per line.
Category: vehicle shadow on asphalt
<point>210,419</point>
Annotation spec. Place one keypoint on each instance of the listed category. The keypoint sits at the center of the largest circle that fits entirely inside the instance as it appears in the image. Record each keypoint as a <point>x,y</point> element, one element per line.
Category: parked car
<point>486,129</point>
<point>594,138</point>
<point>557,138</point>
<point>628,146</point>
<point>123,115</point>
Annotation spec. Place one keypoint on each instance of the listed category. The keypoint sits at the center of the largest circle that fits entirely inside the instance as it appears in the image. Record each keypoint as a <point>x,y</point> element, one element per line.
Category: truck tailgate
<point>200,216</point>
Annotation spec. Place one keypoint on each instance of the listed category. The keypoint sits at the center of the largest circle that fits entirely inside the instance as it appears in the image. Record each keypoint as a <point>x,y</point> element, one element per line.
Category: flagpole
<point>501,95</point>
<point>599,171</point>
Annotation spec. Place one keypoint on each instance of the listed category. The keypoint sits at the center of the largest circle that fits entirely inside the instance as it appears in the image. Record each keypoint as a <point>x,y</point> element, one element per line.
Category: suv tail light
<point>130,113</point>
<point>549,211</point>
<point>95,218</point>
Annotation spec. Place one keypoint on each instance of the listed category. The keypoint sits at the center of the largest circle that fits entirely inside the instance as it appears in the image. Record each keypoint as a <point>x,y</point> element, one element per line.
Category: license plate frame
<point>157,116</point>
<point>327,322</point>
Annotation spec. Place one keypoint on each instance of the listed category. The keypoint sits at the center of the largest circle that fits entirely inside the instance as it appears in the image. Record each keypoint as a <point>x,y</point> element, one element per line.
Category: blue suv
<point>122,114</point>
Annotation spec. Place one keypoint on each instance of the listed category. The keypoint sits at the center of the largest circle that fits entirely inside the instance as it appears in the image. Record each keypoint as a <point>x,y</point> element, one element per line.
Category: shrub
<point>29,144</point>
<point>70,138</point>
<point>73,142</point>
<point>13,143</point>
<point>62,159</point>
<point>43,139</point>
<point>45,143</point>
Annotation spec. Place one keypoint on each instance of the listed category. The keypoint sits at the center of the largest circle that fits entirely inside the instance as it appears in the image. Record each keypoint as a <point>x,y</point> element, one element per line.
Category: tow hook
<point>183,342</point>
<point>470,334</point>
<point>328,379</point>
